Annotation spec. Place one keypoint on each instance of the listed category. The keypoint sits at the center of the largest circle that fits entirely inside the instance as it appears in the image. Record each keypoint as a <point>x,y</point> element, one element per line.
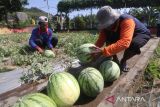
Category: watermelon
<point>83,53</point>
<point>91,81</point>
<point>49,53</point>
<point>35,100</point>
<point>63,88</point>
<point>110,70</point>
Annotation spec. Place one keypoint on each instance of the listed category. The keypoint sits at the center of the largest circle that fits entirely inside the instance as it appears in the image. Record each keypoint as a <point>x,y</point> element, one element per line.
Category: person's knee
<point>140,40</point>
<point>137,44</point>
<point>54,41</point>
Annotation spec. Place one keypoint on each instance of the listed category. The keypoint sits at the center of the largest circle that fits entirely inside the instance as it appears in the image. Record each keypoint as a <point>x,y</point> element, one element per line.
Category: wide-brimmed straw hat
<point>106,16</point>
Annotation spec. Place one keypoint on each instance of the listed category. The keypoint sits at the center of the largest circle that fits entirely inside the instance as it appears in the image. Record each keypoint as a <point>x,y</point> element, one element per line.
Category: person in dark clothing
<point>121,32</point>
<point>42,36</point>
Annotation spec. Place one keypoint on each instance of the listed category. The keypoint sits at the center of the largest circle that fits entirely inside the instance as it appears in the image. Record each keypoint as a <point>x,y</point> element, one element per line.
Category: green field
<point>15,52</point>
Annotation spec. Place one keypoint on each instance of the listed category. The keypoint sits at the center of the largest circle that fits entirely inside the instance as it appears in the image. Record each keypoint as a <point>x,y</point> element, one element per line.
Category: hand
<point>95,52</point>
<point>40,50</point>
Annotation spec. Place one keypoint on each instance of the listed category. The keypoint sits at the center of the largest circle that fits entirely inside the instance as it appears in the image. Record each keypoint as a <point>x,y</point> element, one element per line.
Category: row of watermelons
<point>64,90</point>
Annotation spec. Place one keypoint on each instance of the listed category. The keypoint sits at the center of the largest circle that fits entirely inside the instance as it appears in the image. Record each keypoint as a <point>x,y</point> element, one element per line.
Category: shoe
<point>124,67</point>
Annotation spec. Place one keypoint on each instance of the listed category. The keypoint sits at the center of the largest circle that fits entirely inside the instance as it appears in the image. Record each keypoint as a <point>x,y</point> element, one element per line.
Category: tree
<point>9,6</point>
<point>83,22</point>
<point>68,6</point>
<point>79,23</point>
<point>90,19</point>
<point>149,13</point>
<point>71,5</point>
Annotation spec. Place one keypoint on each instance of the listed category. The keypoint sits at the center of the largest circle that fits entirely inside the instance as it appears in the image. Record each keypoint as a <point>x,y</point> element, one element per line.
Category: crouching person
<point>42,36</point>
<point>121,32</point>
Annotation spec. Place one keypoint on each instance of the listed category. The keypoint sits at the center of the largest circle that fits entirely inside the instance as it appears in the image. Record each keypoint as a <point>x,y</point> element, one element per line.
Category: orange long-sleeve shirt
<point>127,27</point>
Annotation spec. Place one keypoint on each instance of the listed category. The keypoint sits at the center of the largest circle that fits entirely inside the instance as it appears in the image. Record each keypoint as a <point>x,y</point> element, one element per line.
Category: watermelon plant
<point>15,48</point>
<point>37,71</point>
<point>69,42</point>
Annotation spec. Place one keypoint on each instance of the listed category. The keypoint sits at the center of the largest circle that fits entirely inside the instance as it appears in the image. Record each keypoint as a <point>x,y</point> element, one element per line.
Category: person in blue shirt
<point>41,36</point>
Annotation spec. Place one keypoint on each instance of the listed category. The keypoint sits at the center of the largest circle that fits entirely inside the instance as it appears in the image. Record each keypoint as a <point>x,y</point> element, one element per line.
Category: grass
<point>149,89</point>
<point>153,68</point>
<point>151,75</point>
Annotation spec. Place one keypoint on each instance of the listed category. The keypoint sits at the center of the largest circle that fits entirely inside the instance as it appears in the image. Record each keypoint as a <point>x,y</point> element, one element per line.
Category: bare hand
<point>95,52</point>
<point>40,50</point>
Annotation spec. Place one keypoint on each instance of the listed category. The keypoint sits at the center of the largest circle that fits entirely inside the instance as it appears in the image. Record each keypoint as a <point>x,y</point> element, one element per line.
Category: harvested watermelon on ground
<point>63,88</point>
<point>49,53</point>
<point>91,81</point>
<point>35,100</point>
<point>110,71</point>
<point>83,53</point>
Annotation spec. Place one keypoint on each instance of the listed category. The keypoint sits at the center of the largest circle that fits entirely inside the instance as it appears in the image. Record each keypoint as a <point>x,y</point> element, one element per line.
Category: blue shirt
<point>46,37</point>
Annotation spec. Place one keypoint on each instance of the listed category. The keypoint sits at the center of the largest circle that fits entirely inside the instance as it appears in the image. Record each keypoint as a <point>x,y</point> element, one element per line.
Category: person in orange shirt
<point>121,32</point>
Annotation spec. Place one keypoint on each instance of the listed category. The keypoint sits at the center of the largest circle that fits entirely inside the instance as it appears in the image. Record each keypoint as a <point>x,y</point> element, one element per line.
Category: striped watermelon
<point>49,53</point>
<point>63,88</point>
<point>110,71</point>
<point>35,100</point>
<point>83,53</point>
<point>91,81</point>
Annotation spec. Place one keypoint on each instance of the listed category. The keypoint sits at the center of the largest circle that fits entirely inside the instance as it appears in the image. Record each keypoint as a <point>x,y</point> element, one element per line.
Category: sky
<point>42,4</point>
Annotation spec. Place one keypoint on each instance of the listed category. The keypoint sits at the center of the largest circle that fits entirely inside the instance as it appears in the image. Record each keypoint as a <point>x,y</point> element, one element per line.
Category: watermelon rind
<point>35,100</point>
<point>91,81</point>
<point>110,70</point>
<point>83,53</point>
<point>63,88</point>
<point>49,53</point>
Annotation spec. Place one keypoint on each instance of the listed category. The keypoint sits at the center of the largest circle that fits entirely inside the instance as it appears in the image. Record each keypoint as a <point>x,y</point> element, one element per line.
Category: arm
<point>101,39</point>
<point>32,42</point>
<point>126,33</point>
<point>32,39</point>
